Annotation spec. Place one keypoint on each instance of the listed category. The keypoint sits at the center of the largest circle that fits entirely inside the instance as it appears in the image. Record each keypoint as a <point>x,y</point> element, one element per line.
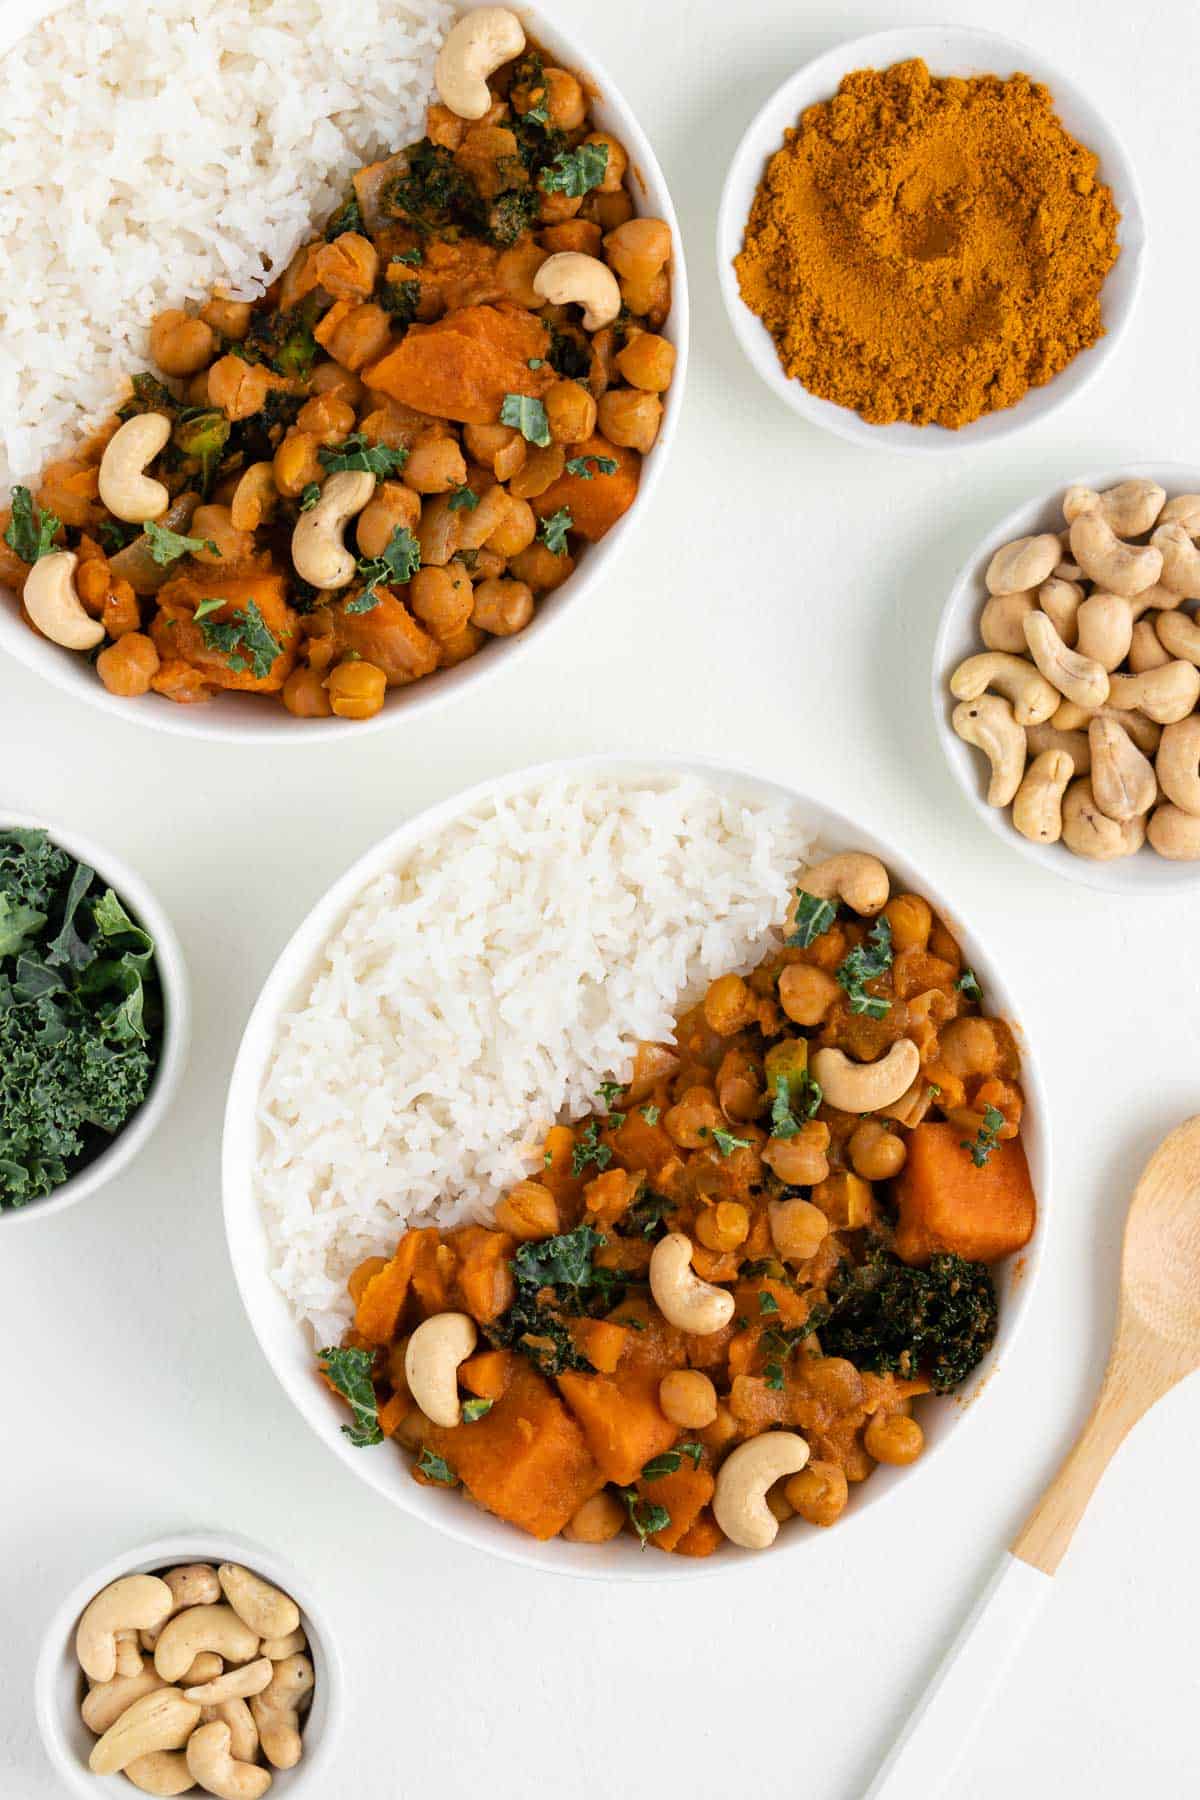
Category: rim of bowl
<point>1143,873</point>
<point>220,720</point>
<point>280,1335</point>
<point>172,969</point>
<point>946,49</point>
<point>64,1734</point>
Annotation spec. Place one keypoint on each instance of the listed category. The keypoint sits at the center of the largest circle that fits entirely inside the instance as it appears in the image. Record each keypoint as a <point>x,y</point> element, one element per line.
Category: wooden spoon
<point>1157,1343</point>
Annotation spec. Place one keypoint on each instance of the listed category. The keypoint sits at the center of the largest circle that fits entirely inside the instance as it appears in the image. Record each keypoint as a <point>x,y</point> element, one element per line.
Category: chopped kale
<point>585,467</point>
<point>201,435</point>
<point>726,1142</point>
<point>987,1137</point>
<point>167,546</point>
<point>866,962</point>
<point>892,1319</point>
<point>812,918</point>
<point>554,531</point>
<point>349,1371</point>
<point>528,416</point>
<point>434,194</point>
<point>463,499</point>
<point>355,452</point>
<point>968,985</point>
<point>399,563</point>
<point>31,532</point>
<point>589,1149</point>
<point>245,641</point>
<point>647,1519</point>
<point>796,1101</point>
<point>348,217</point>
<point>401,299</point>
<point>149,395</point>
<point>575,172</point>
<point>476,1409</point>
<point>436,1468</point>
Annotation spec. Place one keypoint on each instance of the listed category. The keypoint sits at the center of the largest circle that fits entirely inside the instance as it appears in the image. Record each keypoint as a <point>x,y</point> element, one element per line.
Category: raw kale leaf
<point>349,1371</point>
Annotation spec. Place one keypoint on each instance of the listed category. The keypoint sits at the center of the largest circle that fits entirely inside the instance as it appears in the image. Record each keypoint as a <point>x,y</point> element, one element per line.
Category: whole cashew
<point>1037,808</point>
<point>681,1297</point>
<point>205,1667</point>
<point>1089,832</point>
<point>51,601</point>
<point>988,724</point>
<point>191,1584</point>
<point>277,1648</point>
<point>866,1087</point>
<point>1144,732</point>
<point>129,1657</point>
<point>1104,627</point>
<point>571,277</point>
<point>276,1711</point>
<point>1149,650</point>
<point>1069,571</point>
<point>243,1732</point>
<point>1000,624</point>
<point>1180,560</point>
<point>1024,564</point>
<point>130,1603</point>
<point>861,881</point>
<point>1183,510</point>
<point>162,1772</point>
<point>1178,633</point>
<point>474,49</point>
<point>1158,596</point>
<point>740,1498</point>
<point>1032,697</point>
<point>1123,784</point>
<point>125,488</point>
<point>1174,833</point>
<point>106,1702</point>
<point>1165,695</point>
<point>203,1628</point>
<point>263,1608</point>
<point>319,555</point>
<point>1060,601</point>
<point>163,1720</point>
<point>1078,678</point>
<point>1073,743</point>
<point>431,1361</point>
<point>1130,508</point>
<point>211,1762</point>
<point>234,1684</point>
<point>1178,764</point>
<point>1116,567</point>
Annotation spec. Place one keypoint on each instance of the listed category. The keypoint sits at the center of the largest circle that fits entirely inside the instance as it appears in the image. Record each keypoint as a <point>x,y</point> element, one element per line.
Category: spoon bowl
<point>1160,1264</point>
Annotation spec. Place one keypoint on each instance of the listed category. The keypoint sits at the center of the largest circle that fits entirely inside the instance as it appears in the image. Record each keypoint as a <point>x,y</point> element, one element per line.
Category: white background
<point>777,610</point>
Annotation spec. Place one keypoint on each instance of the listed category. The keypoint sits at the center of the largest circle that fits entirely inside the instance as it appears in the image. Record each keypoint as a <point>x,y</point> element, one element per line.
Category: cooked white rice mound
<point>484,989</point>
<point>148,153</point>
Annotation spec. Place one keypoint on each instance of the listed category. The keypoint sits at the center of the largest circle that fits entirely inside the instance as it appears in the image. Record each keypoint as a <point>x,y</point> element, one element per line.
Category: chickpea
<point>570,412</point>
<point>516,531</point>
<point>360,337</point>
<point>554,209</point>
<point>438,531</point>
<point>739,1086</point>
<point>435,464</point>
<point>443,126</point>
<point>296,464</point>
<point>196,390</point>
<point>442,600</point>
<point>609,210</point>
<point>540,568</point>
<point>331,378</point>
<point>463,644</point>
<point>528,1211</point>
<point>836,1381</point>
<point>968,1046</point>
<point>799,1161</point>
<point>876,1153</point>
<point>693,1118</point>
<point>304,694</point>
<point>348,267</point>
<point>806,993</point>
<point>129,666</point>
<point>911,920</point>
<point>490,157</point>
<point>540,470</point>
<point>502,607</point>
<point>630,417</point>
<point>798,1229</point>
<point>120,613</point>
<point>70,489</point>
<point>515,270</point>
<point>582,235</point>
<point>356,690</point>
<point>564,99</point>
<point>328,417</point>
<point>894,1438</point>
<point>92,580</point>
<point>729,1005</point>
<point>687,1397</point>
<point>819,1493</point>
<point>228,318</point>
<point>214,525</point>
<point>497,447</point>
<point>239,389</point>
<point>647,361</point>
<point>479,523</point>
<point>597,1521</point>
<point>615,167</point>
<point>392,507</point>
<point>639,248</point>
<point>724,1226</point>
<point>181,345</point>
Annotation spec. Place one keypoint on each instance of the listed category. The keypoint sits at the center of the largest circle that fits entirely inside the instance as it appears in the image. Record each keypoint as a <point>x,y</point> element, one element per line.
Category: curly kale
<point>556,1279</point>
<point>434,194</point>
<point>893,1319</point>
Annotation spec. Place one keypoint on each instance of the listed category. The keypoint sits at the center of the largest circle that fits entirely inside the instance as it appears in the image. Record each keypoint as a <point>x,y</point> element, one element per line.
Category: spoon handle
<point>931,1747</point>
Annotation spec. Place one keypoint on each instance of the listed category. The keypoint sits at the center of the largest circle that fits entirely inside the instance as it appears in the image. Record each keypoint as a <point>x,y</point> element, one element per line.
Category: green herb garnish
<point>767,1303</point>
<point>695,1451</point>
<point>245,641</point>
<point>575,172</point>
<point>796,1101</point>
<point>535,362</point>
<point>773,1372</point>
<point>349,1371</point>
<point>587,466</point>
<point>167,546</point>
<point>658,1466</point>
<point>987,1137</point>
<point>414,257</point>
<point>463,499</point>
<point>726,1142</point>
<point>528,416</point>
<point>348,217</point>
<point>355,452</point>
<point>476,1409</point>
<point>436,1468</point>
<point>968,985</point>
<point>651,1114</point>
<point>31,532</point>
<point>205,607</point>
<point>812,918</point>
<point>554,530</point>
<point>309,496</point>
<point>399,563</point>
<point>865,963</point>
<point>589,1149</point>
<point>647,1518</point>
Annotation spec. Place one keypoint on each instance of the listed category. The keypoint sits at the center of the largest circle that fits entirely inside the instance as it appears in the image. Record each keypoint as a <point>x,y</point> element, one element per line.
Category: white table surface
<point>776,611</point>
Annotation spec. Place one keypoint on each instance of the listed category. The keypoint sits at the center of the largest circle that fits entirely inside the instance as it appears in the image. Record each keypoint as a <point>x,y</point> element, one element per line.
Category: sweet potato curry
<point>466,370</point>
<point>714,1305</point>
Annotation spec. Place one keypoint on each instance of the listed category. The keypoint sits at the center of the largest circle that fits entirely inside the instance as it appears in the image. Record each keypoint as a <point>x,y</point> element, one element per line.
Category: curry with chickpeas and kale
<point>717,1302</point>
<point>465,371</point>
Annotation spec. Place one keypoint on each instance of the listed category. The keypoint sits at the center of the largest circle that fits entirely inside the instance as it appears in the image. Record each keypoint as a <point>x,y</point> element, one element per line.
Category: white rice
<point>483,989</point>
<point>148,153</point>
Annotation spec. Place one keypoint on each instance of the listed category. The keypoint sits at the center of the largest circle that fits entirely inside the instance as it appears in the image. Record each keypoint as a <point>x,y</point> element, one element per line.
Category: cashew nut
<point>243,1732</point>
<point>1000,623</point>
<point>203,1628</point>
<point>319,555</point>
<point>1104,629</point>
<point>162,1720</point>
<point>1037,808</point>
<point>263,1608</point>
<point>1179,634</point>
<point>1089,832</point>
<point>129,1657</point>
<point>1180,560</point>
<point>1078,678</point>
<point>740,1498</point>
<point>1123,784</point>
<point>106,1702</point>
<point>1144,732</point>
<point>51,601</point>
<point>133,1602</point>
<point>1174,833</point>
<point>1023,564</point>
<point>1148,649</point>
<point>1032,697</point>
<point>211,1762</point>
<point>1118,568</point>
<point>191,1584</point>
<point>431,1361</point>
<point>205,1667</point>
<point>277,1648</point>
<point>234,1684</point>
<point>1060,601</point>
<point>681,1297</point>
<point>1130,508</point>
<point>570,276</point>
<point>1178,764</point>
<point>1165,695</point>
<point>1073,743</point>
<point>988,724</point>
<point>866,1087</point>
<point>859,880</point>
<point>162,1772</point>
<point>276,1710</point>
<point>474,49</point>
<point>1183,510</point>
<point>125,488</point>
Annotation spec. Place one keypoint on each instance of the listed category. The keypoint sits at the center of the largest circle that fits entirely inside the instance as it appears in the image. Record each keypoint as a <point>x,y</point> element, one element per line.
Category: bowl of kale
<point>93,1017</point>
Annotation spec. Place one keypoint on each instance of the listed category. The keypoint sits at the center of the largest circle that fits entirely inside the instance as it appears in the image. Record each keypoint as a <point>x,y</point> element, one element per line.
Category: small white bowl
<point>60,1685</point>
<point>177,1015</point>
<point>948,50</point>
<point>958,637</point>
<point>243,718</point>
<point>288,1347</point>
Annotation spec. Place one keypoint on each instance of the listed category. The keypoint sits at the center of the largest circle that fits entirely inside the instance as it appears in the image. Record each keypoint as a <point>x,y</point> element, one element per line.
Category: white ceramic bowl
<point>173,978</point>
<point>948,50</point>
<point>287,1345</point>
<point>958,637</point>
<point>60,1686</point>
<point>241,718</point>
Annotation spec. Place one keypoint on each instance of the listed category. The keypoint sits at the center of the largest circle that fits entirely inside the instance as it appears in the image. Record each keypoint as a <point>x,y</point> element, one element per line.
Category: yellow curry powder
<point>928,249</point>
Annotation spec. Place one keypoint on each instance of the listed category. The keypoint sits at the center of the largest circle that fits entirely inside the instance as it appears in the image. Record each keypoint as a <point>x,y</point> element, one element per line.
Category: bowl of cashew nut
<point>1066,679</point>
<point>193,1664</point>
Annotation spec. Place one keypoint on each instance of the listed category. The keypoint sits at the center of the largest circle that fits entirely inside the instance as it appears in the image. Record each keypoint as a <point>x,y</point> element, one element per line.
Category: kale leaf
<point>893,1319</point>
<point>575,172</point>
<point>865,963</point>
<point>355,452</point>
<point>245,640</point>
<point>31,532</point>
<point>528,416</point>
<point>349,1371</point>
<point>810,919</point>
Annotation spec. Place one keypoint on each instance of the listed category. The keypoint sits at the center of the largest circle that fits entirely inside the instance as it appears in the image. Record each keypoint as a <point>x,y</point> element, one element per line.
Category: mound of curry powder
<point>927,249</point>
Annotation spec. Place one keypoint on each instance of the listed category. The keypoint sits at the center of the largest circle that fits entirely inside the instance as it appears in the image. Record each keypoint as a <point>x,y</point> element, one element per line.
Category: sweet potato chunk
<point>487,1373</point>
<point>462,366</point>
<point>595,505</point>
<point>599,1341</point>
<point>377,1317</point>
<point>947,1203</point>
<point>704,1537</point>
<point>484,1277</point>
<point>387,636</point>
<point>684,1494</point>
<point>619,1413</point>
<point>177,638</point>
